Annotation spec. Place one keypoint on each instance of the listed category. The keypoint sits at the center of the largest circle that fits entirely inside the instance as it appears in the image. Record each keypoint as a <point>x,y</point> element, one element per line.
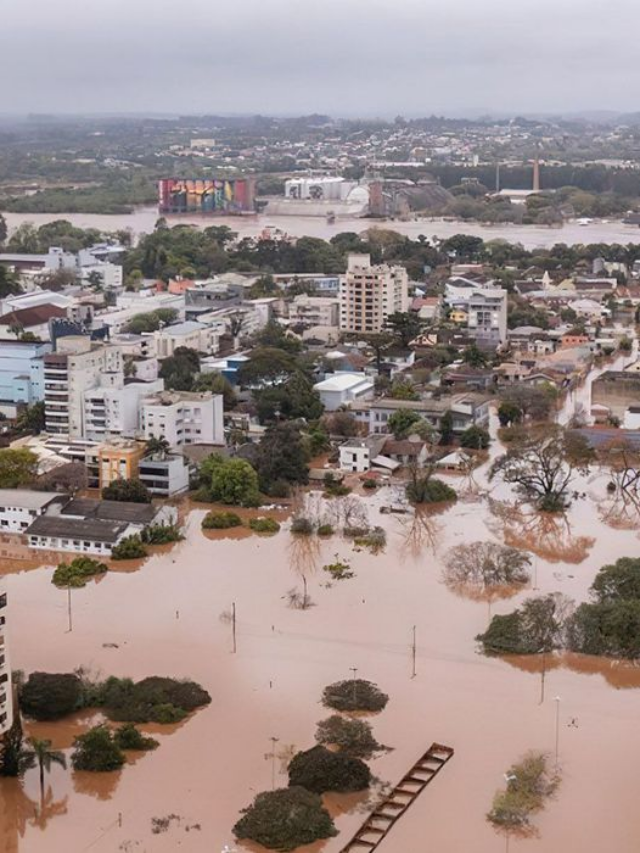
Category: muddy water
<point>143,219</point>
<point>164,617</point>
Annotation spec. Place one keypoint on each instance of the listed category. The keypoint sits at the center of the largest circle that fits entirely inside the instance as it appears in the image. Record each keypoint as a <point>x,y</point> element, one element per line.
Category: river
<point>143,219</point>
<point>163,617</point>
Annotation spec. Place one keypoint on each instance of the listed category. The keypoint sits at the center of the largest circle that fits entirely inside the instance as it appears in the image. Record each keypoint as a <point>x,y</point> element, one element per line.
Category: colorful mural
<point>215,196</point>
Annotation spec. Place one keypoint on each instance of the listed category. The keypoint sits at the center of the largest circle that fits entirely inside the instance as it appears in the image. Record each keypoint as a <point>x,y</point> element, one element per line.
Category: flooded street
<point>164,618</point>
<point>143,219</point>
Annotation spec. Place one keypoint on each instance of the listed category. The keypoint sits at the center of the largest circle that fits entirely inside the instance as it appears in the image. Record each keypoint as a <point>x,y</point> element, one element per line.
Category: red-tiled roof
<point>34,316</point>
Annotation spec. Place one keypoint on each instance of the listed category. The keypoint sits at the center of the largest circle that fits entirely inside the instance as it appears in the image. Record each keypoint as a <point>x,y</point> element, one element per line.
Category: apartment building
<point>113,409</point>
<point>197,336</point>
<point>165,474</point>
<point>369,294</point>
<point>183,418</point>
<point>117,460</point>
<point>78,366</point>
<point>314,310</point>
<point>6,693</point>
<point>487,316</point>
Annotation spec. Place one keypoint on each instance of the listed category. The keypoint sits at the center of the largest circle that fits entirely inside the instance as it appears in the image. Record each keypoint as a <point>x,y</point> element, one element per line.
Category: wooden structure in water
<point>379,823</point>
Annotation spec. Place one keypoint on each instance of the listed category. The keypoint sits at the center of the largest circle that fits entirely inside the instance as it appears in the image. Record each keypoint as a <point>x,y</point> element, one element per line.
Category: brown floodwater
<point>167,616</point>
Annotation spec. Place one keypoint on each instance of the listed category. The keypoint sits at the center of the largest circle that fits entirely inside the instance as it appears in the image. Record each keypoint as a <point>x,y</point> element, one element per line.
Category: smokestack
<point>536,174</point>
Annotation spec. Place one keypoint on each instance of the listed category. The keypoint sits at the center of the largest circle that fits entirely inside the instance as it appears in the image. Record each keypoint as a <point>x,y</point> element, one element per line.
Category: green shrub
<point>129,737</point>
<point>221,520</point>
<point>154,699</point>
<point>279,489</point>
<point>370,485</point>
<point>76,573</point>
<point>339,571</point>
<point>355,532</point>
<point>285,819</point>
<point>375,540</point>
<point>264,525</point>
<point>97,750</point>
<point>355,694</point>
<point>353,737</point>
<point>337,490</point>
<point>430,490</point>
<point>302,526</point>
<point>325,530</point>
<point>129,548</point>
<point>529,785</point>
<point>320,770</point>
<point>161,534</point>
<point>133,491</point>
<point>203,495</point>
<point>50,695</point>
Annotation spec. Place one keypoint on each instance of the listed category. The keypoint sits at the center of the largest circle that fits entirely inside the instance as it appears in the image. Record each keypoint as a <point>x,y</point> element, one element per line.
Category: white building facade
<point>6,691</point>
<point>183,418</point>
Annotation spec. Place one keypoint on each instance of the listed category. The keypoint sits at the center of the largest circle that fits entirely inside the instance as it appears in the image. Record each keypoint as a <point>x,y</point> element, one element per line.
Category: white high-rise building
<point>77,366</point>
<point>183,418</point>
<point>369,294</point>
<point>6,693</point>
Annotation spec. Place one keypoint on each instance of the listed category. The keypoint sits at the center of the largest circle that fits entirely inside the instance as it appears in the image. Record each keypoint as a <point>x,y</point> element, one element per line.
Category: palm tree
<point>44,756</point>
<point>157,447</point>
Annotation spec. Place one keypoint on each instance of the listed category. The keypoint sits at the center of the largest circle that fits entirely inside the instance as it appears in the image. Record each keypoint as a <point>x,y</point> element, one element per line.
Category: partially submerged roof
<point>63,527</point>
<point>117,511</point>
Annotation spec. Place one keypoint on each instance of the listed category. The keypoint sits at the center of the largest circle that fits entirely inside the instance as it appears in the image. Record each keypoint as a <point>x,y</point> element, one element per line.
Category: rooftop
<point>77,528</point>
<point>125,512</point>
<point>343,382</point>
<point>26,499</point>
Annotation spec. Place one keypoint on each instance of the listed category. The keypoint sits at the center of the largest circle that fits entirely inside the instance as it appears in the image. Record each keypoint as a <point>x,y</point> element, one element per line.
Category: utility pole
<point>557,701</point>
<point>274,741</point>
<point>69,614</point>
<point>233,625</point>
<point>354,670</point>
<point>413,653</point>
<point>542,675</point>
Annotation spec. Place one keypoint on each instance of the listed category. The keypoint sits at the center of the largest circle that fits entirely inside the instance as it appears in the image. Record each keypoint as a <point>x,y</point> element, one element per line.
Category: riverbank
<point>143,220</point>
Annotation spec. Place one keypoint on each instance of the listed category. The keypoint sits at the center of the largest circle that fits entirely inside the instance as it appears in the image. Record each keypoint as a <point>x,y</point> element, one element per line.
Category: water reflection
<point>548,535</point>
<point>621,674</point>
<point>420,531</point>
<point>18,811</point>
<point>102,786</point>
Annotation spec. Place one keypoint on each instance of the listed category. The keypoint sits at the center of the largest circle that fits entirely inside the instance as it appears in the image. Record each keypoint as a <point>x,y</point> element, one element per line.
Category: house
<point>409,451</point>
<point>19,508</point>
<point>357,454</point>
<point>466,410</point>
<point>87,526</point>
<point>618,390</point>
<point>344,389</point>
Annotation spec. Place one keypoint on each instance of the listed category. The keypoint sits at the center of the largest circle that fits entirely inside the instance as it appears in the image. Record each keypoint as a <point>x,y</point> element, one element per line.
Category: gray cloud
<point>373,57</point>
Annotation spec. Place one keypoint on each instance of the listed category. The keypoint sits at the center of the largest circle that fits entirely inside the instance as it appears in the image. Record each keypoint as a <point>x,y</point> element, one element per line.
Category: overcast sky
<point>342,57</point>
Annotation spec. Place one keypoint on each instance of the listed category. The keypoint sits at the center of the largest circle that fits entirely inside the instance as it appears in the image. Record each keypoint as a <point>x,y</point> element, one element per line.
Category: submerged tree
<point>542,463</point>
<point>483,569</point>
<point>285,819</point>
<point>536,627</point>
